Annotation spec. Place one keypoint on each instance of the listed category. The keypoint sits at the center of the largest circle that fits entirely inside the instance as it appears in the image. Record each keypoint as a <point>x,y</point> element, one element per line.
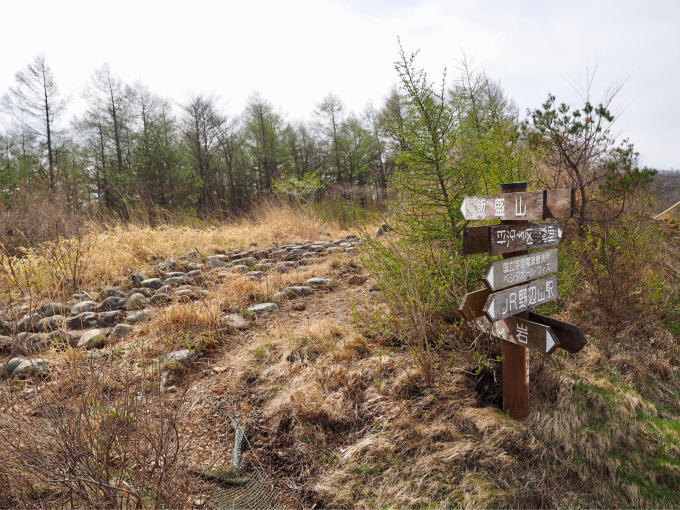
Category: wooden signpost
<point>520,280</point>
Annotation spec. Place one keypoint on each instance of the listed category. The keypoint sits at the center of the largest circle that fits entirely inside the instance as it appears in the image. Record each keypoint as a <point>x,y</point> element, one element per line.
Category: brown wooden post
<point>515,357</point>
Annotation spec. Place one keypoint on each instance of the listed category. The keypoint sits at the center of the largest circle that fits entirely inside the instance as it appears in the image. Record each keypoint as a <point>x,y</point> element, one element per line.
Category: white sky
<point>295,52</point>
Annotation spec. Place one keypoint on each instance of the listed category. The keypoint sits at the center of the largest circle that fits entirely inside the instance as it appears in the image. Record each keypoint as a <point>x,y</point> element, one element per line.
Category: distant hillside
<point>666,188</point>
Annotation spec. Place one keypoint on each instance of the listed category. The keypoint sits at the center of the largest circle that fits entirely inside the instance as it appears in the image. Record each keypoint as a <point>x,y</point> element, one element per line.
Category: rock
<point>192,254</point>
<point>106,319</point>
<point>51,309</point>
<point>82,321</point>
<point>175,280</point>
<point>280,296</point>
<point>180,357</point>
<point>357,279</point>
<point>161,266</point>
<point>82,296</point>
<point>185,287</point>
<point>318,282</point>
<point>136,302</point>
<point>159,298</point>
<point>111,303</point>
<point>172,263</point>
<point>165,289</point>
<point>92,339</point>
<point>220,256</point>
<point>196,275</point>
<point>85,306</point>
<point>218,369</point>
<point>284,267</point>
<point>234,320</point>
<point>240,268</point>
<point>32,342</point>
<point>217,263</point>
<point>5,328</point>
<point>298,290</point>
<point>63,336</point>
<point>254,275</point>
<point>13,364</point>
<point>30,367</point>
<point>263,308</point>
<point>138,317</point>
<point>113,292</point>
<point>299,305</point>
<point>152,283</point>
<point>333,250</point>
<point>29,323</point>
<point>246,261</point>
<point>7,344</point>
<point>141,290</point>
<point>190,293</point>
<point>138,278</point>
<point>174,274</point>
<point>51,323</point>
<point>120,331</point>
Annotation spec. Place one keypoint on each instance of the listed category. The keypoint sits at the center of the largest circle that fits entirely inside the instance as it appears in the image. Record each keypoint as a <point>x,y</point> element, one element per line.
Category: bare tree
<point>37,98</point>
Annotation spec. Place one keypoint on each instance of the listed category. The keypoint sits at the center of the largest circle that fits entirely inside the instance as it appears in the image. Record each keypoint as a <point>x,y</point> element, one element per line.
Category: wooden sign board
<point>520,298</point>
<point>569,336</point>
<point>522,205</point>
<point>499,239</point>
<point>532,335</point>
<point>515,270</point>
<point>473,304</point>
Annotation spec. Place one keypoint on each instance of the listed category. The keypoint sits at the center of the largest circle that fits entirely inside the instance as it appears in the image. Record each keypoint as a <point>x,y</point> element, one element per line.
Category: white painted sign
<point>512,271</point>
<point>505,303</point>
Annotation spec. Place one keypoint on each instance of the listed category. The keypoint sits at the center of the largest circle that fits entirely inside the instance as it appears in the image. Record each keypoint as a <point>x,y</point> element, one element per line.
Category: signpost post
<point>520,280</point>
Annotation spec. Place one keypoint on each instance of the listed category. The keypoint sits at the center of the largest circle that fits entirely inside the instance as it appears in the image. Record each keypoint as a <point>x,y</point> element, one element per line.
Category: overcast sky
<point>295,52</point>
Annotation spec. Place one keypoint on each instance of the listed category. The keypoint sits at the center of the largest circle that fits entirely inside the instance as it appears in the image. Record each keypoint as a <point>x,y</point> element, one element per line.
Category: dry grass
<point>106,255</point>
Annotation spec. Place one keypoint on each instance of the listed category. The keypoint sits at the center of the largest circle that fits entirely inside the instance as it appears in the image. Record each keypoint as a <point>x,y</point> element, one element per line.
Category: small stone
<point>92,339</point>
<point>284,267</point>
<point>220,256</point>
<point>82,321</point>
<point>318,282</point>
<point>152,283</point>
<point>195,275</point>
<point>240,268</point>
<point>51,323</point>
<point>236,321</point>
<point>144,291</point>
<point>263,308</point>
<point>280,296</point>
<point>106,319</point>
<point>12,364</point>
<point>180,357</point>
<point>357,279</point>
<point>254,275</point>
<point>29,367</point>
<point>138,278</point>
<point>175,280</point>
<point>334,249</point>
<point>298,290</point>
<point>63,336</point>
<point>113,292</point>
<point>299,305</point>
<point>161,266</point>
<point>159,299</point>
<point>82,296</point>
<point>218,369</point>
<point>85,306</point>
<point>52,309</point>
<point>246,261</point>
<point>120,331</point>
<point>7,344</point>
<point>33,342</point>
<point>165,289</point>
<point>111,303</point>
<point>174,274</point>
<point>138,317</point>
<point>217,263</point>
<point>29,323</point>
<point>136,302</point>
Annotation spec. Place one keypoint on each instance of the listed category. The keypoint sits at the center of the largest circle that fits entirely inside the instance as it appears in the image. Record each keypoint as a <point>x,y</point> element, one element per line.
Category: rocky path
<point>92,321</point>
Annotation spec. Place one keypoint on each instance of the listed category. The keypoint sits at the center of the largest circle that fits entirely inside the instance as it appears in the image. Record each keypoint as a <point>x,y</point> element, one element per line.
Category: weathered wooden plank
<point>533,335</point>
<point>515,270</point>
<point>559,203</point>
<point>569,336</point>
<point>524,205</point>
<point>505,303</point>
<point>473,304</point>
<point>499,239</point>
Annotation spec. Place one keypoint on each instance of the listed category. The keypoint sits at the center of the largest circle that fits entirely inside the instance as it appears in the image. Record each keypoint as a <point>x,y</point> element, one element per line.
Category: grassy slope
<point>339,416</point>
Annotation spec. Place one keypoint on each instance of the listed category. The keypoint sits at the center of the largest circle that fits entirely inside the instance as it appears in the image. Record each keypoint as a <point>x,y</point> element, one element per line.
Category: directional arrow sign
<point>498,239</point>
<point>511,271</point>
<point>473,304</point>
<point>505,303</point>
<point>569,336</point>
<point>522,205</point>
<point>535,336</point>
